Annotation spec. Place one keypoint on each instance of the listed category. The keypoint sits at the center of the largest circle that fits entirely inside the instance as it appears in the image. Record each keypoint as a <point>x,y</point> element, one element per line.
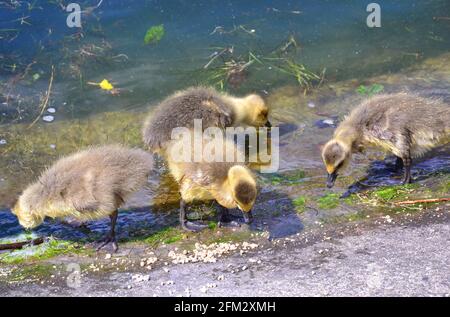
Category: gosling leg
<point>225,219</point>
<point>398,163</point>
<point>407,166</point>
<point>111,237</point>
<point>188,225</point>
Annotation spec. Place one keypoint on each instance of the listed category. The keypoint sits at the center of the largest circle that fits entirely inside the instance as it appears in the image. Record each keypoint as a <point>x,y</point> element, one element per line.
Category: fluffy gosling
<point>214,108</point>
<point>403,124</point>
<point>231,184</point>
<point>87,185</point>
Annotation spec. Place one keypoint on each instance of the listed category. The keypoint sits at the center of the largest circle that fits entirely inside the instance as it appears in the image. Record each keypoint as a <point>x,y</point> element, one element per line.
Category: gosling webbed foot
<point>225,219</point>
<point>193,226</point>
<point>229,224</point>
<point>186,224</point>
<point>109,239</point>
<point>248,217</point>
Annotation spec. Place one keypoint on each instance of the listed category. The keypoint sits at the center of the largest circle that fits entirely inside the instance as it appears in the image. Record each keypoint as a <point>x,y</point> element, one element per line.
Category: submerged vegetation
<point>370,91</point>
<point>154,34</point>
<point>231,69</point>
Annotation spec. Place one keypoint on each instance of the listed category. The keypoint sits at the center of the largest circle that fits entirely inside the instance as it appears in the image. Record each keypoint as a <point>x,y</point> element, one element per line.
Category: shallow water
<point>409,51</point>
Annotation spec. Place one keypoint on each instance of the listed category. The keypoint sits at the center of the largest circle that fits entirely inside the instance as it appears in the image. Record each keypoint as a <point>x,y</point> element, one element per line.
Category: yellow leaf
<point>106,85</point>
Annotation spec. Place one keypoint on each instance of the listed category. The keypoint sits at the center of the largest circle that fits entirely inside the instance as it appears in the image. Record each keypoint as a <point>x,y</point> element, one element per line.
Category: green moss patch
<point>166,236</point>
<point>299,203</point>
<point>286,179</point>
<point>47,250</point>
<point>329,201</point>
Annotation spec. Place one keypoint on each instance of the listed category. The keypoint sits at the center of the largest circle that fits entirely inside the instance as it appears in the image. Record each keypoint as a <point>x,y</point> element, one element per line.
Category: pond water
<point>330,38</point>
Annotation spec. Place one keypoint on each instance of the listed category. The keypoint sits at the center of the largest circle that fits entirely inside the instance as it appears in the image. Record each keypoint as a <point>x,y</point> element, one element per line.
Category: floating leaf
<point>154,34</point>
<point>106,85</point>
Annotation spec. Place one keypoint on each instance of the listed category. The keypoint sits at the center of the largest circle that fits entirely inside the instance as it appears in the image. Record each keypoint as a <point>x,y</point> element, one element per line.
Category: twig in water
<point>20,245</point>
<point>421,201</point>
<point>47,96</point>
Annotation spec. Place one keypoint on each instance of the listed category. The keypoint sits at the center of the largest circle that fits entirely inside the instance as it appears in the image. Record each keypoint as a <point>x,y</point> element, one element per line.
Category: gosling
<point>403,124</point>
<point>230,184</point>
<point>214,108</point>
<point>87,185</point>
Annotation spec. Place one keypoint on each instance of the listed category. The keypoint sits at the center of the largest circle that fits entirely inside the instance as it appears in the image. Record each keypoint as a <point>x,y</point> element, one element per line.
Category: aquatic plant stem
<point>47,96</point>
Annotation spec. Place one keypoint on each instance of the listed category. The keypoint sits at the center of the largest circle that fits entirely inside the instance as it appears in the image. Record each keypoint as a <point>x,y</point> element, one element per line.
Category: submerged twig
<point>216,55</point>
<point>421,201</point>
<point>47,96</point>
<point>20,245</point>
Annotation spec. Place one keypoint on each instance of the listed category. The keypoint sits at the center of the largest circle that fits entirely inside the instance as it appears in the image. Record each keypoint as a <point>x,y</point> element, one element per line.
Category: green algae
<point>300,204</point>
<point>48,250</point>
<point>25,273</point>
<point>29,151</point>
<point>329,201</point>
<point>165,236</point>
<point>154,34</point>
<point>286,179</point>
<point>370,91</point>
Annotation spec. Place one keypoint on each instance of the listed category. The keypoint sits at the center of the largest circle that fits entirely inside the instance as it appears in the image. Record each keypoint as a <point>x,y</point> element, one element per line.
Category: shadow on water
<point>384,173</point>
<point>139,222</point>
<point>273,212</point>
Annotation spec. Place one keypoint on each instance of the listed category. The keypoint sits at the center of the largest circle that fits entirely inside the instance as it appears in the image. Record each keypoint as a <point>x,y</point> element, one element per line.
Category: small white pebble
<point>107,256</point>
<point>48,118</point>
<point>3,142</point>
<point>51,110</point>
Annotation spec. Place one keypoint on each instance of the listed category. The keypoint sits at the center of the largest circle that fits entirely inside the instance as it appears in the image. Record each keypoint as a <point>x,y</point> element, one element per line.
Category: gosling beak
<point>331,179</point>
<point>248,217</point>
<point>268,124</point>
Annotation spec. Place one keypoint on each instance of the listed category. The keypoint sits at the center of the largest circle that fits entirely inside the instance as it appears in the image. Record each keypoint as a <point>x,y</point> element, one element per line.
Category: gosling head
<point>243,189</point>
<point>257,111</point>
<point>336,157</point>
<point>25,206</point>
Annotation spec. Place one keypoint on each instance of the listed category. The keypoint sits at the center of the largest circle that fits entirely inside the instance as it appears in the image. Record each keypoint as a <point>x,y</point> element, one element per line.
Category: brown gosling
<point>213,108</point>
<point>402,123</point>
<point>230,184</point>
<point>87,185</point>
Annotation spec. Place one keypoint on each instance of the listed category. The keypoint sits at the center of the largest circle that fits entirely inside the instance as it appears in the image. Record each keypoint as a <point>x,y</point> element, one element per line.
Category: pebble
<point>108,256</point>
<point>311,104</point>
<point>3,142</point>
<point>53,146</point>
<point>326,123</point>
<point>48,118</point>
<point>51,110</point>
